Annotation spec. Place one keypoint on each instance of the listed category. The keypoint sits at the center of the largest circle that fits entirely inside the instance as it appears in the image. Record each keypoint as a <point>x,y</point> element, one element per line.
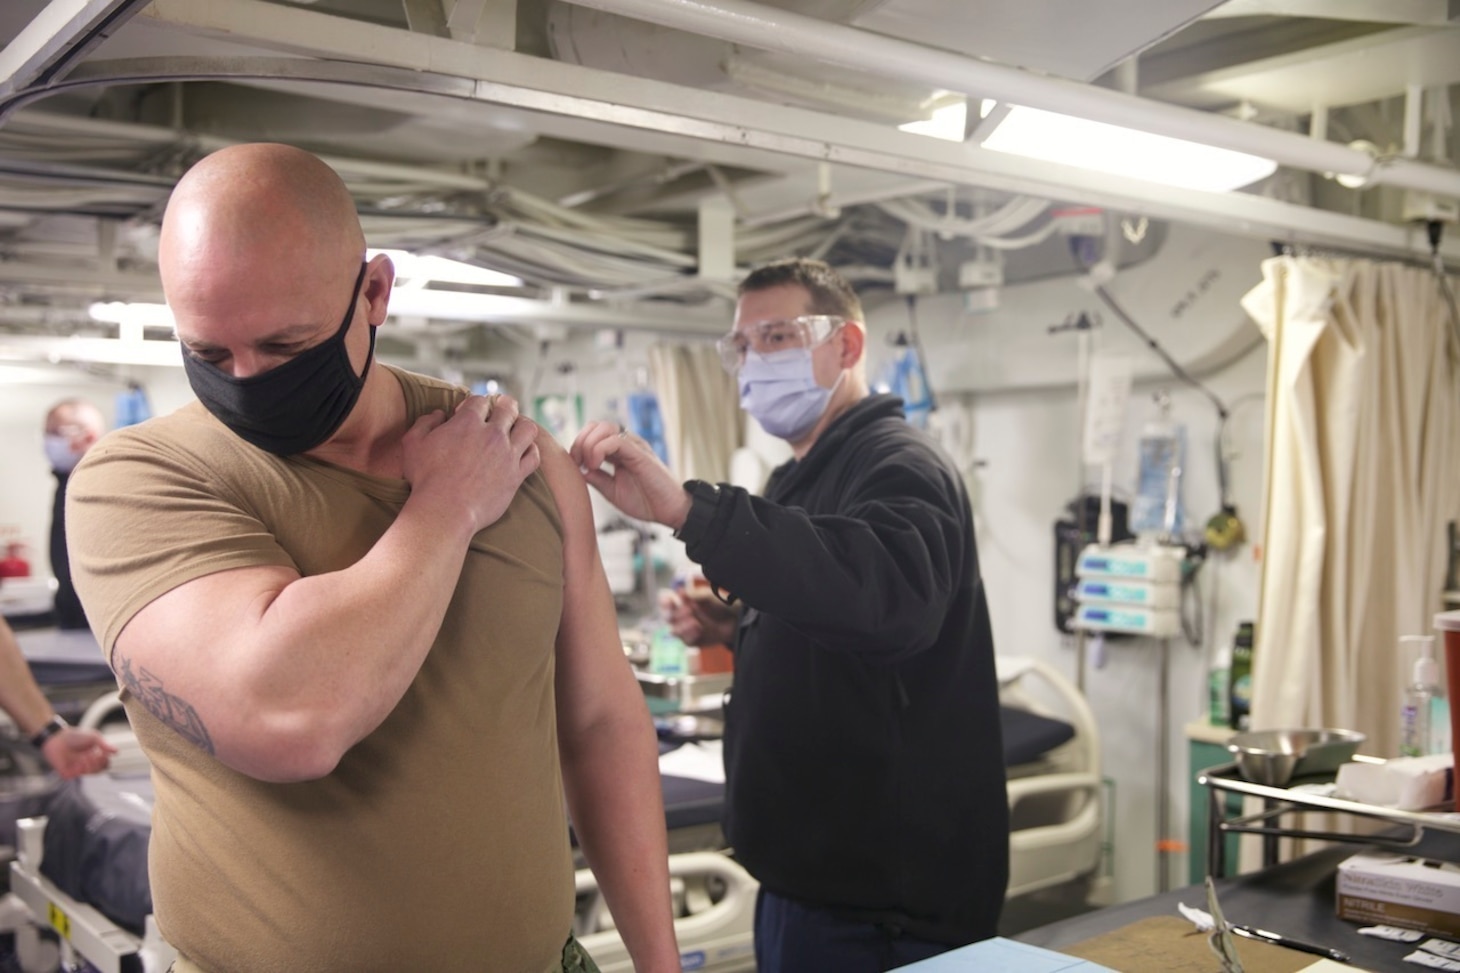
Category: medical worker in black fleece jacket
<point>863,760</point>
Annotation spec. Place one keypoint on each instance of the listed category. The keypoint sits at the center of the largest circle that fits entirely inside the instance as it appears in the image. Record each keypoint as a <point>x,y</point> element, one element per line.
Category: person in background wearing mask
<point>360,624</point>
<point>72,427</point>
<point>71,751</point>
<point>863,755</point>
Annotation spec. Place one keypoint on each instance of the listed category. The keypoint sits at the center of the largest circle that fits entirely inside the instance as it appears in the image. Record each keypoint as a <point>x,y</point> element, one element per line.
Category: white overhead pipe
<point>767,28</point>
<point>38,120</point>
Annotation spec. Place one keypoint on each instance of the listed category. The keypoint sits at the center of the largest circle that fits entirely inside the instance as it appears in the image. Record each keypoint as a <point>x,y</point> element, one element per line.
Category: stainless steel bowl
<point>1274,757</point>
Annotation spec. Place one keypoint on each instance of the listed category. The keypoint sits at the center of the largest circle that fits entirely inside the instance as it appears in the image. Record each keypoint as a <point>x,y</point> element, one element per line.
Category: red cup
<point>1448,625</point>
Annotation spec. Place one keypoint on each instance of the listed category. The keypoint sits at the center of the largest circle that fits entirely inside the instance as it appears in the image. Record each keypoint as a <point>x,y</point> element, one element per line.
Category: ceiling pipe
<point>61,33</point>
<point>38,120</point>
<point>771,29</point>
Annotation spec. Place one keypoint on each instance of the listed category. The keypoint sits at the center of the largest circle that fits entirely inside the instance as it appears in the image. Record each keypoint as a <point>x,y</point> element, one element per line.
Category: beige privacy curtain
<point>1363,474</point>
<point>701,410</point>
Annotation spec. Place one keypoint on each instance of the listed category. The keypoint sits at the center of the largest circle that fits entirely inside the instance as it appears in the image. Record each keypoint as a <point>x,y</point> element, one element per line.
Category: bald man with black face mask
<point>360,624</point>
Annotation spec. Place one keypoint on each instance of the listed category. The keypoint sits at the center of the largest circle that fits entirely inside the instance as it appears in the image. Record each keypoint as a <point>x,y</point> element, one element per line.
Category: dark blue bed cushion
<point>1028,735</point>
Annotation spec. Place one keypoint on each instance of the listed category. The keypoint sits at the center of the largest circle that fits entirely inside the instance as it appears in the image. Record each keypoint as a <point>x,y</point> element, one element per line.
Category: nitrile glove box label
<point>1396,890</point>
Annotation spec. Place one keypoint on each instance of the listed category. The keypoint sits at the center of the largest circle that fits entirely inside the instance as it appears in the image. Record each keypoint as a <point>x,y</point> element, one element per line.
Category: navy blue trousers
<point>794,938</point>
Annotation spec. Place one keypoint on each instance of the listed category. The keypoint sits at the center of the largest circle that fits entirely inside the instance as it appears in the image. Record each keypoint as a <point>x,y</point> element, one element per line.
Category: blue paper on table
<point>1000,955</point>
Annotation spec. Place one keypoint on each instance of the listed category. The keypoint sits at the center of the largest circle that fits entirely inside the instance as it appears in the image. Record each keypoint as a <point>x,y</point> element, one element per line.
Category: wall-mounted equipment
<point>1130,589</point>
<point>1072,535</point>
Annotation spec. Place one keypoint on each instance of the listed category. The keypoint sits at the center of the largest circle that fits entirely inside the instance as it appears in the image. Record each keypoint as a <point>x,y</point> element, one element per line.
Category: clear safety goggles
<point>806,331</point>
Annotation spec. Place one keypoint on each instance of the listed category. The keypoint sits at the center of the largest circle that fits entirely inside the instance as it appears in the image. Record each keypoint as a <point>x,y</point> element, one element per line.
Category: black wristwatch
<point>53,726</point>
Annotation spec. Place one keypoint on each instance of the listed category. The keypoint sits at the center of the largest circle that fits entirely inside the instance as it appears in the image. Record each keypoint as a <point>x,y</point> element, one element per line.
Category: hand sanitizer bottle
<point>1419,697</point>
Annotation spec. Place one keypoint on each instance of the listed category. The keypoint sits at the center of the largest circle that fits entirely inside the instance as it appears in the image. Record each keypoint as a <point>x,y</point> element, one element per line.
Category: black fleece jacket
<point>863,756</point>
<point>69,613</point>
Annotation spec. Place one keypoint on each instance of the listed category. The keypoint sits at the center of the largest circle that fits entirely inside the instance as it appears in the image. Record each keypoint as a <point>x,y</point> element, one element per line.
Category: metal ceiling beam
<point>616,100</point>
<point>57,38</point>
<point>1435,12</point>
<point>309,32</point>
<point>1348,72</point>
<point>502,309</point>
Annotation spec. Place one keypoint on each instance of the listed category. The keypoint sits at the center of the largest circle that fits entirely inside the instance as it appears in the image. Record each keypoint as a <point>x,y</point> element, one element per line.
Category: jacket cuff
<point>704,501</point>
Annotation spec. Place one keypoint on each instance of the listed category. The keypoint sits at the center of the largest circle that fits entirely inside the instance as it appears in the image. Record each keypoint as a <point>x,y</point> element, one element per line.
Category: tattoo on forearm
<point>172,710</point>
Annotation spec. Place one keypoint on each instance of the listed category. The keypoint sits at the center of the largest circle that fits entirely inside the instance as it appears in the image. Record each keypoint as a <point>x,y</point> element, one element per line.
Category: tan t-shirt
<point>440,842</point>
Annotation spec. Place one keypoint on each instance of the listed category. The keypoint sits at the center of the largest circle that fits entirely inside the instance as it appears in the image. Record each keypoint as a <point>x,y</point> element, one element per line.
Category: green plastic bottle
<point>1241,682</point>
<point>1219,688</point>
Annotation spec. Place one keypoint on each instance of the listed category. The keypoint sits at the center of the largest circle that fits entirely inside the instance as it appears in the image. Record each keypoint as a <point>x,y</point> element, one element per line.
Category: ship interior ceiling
<point>580,184</point>
<point>624,169</point>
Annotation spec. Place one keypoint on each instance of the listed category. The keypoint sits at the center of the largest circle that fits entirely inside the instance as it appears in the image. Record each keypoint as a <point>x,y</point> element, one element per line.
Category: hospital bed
<point>1052,752</point>
<point>99,825</point>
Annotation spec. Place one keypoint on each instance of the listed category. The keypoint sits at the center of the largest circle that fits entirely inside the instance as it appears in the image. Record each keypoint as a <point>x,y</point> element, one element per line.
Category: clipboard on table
<point>1170,944</point>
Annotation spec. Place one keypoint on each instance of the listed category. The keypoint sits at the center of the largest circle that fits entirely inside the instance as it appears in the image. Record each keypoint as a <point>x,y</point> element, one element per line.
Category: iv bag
<point>1162,455</point>
<point>905,378</point>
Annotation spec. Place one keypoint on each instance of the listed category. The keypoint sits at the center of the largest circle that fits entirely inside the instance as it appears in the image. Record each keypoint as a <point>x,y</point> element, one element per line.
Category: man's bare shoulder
<point>561,473</point>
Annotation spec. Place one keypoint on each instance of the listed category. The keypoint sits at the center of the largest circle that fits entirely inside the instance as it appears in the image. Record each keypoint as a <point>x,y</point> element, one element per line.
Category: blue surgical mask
<point>59,452</point>
<point>779,389</point>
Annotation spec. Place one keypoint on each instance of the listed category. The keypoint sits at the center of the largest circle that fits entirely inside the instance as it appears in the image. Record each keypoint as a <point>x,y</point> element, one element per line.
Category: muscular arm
<point>278,675</point>
<point>606,739</point>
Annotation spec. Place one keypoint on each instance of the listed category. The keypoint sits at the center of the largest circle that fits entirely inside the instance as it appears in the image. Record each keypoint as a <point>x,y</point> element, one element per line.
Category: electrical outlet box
<point>908,278</point>
<point>1423,207</point>
<point>974,274</point>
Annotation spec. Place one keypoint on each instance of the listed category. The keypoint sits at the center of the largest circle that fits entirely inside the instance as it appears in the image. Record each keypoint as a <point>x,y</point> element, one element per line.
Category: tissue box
<point>1406,783</point>
<point>1396,890</point>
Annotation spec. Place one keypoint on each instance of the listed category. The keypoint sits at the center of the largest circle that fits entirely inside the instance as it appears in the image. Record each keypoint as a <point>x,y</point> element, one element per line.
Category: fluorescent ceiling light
<point>132,316</point>
<point>947,122</point>
<point>40,348</point>
<point>1125,152</point>
<point>417,271</point>
<point>456,305</point>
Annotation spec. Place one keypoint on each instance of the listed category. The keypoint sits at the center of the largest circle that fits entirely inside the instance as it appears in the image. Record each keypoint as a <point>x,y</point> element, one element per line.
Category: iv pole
<point>1082,326</point>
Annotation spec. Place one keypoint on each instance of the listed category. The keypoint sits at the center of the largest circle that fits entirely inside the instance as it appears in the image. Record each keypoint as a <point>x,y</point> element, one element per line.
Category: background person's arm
<point>20,696</point>
<point>299,669</point>
<point>610,754</point>
<point>71,751</point>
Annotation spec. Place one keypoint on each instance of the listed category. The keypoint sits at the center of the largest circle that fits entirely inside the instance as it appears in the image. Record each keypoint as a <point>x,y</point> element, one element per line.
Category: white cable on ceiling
<point>1011,216</point>
<point>1021,242</point>
<point>550,213</point>
<point>608,243</point>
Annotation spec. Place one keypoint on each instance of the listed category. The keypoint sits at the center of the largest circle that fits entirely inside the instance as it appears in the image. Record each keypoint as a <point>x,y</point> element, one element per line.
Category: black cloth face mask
<point>293,407</point>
